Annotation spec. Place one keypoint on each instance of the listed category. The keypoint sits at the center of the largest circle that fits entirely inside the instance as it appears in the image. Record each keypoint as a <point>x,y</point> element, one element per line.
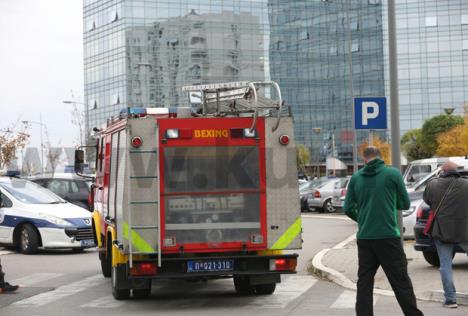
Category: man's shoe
<point>450,305</point>
<point>7,287</point>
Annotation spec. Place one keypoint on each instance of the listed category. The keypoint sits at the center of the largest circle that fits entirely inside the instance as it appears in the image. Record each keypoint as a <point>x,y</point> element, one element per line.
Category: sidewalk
<point>340,265</point>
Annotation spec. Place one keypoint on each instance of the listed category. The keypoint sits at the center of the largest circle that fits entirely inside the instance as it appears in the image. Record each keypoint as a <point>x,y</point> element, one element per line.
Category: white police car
<point>33,217</point>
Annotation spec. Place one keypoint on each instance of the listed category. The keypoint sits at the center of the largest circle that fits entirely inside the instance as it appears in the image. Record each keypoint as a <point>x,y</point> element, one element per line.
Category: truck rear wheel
<point>243,286</point>
<point>265,289</point>
<point>106,259</point>
<point>119,294</point>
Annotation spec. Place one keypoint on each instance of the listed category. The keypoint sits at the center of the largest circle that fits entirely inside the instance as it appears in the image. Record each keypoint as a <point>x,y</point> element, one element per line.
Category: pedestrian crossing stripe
<point>289,235</point>
<point>286,292</point>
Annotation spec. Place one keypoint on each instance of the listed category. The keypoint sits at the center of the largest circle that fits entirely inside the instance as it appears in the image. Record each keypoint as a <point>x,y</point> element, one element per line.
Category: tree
<point>52,154</point>
<point>302,157</point>
<point>411,145</point>
<point>454,142</point>
<point>383,146</point>
<point>435,126</point>
<point>10,142</point>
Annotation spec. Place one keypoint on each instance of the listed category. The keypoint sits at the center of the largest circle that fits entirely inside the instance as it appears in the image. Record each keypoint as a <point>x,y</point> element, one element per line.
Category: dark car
<point>73,190</point>
<point>425,243</point>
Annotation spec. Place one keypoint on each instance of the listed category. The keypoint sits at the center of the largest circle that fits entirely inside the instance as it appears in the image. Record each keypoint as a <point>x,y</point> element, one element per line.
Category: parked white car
<point>32,217</point>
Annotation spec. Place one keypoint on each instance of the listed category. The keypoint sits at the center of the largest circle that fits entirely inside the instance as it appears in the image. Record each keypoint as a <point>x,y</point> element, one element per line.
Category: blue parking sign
<point>370,113</point>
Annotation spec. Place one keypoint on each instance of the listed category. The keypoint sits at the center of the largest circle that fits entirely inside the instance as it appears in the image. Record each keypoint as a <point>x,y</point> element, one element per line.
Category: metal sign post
<point>395,110</point>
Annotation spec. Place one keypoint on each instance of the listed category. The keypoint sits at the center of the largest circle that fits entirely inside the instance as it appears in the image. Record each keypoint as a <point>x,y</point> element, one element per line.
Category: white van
<point>418,169</point>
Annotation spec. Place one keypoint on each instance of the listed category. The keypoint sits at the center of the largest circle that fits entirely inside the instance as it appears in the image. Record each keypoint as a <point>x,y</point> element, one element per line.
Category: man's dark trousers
<point>389,254</point>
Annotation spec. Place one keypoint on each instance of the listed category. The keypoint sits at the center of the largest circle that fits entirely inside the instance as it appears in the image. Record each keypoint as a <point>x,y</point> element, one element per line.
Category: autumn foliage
<point>10,142</point>
<point>383,146</point>
<point>454,142</point>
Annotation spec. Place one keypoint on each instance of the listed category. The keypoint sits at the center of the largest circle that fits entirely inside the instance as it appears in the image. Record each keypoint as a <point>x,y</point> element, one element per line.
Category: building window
<point>431,21</point>
<point>465,44</point>
<point>333,50</point>
<point>354,46</point>
<point>304,35</point>
<point>464,19</point>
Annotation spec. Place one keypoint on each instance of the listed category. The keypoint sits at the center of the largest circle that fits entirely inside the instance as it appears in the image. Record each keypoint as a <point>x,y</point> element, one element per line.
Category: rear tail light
<point>343,192</point>
<point>286,264</point>
<point>143,268</point>
<point>284,139</point>
<point>137,142</point>
<point>317,194</point>
<point>91,198</point>
<point>422,212</point>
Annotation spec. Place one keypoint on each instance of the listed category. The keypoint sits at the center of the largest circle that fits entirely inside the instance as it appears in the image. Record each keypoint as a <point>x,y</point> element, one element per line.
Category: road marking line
<point>104,302</point>
<point>5,252</point>
<point>286,292</point>
<point>347,300</point>
<point>61,292</point>
<point>35,278</point>
<point>341,218</point>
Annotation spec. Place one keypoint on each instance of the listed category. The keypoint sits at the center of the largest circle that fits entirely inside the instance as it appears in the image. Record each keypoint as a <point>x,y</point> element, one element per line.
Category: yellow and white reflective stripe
<point>289,235</point>
<point>137,241</point>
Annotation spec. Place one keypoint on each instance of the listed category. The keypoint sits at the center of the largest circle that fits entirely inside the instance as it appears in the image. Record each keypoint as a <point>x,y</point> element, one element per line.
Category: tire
<point>328,206</point>
<point>29,239</point>
<point>243,286</point>
<point>106,261</point>
<point>119,294</point>
<point>265,289</point>
<point>432,258</point>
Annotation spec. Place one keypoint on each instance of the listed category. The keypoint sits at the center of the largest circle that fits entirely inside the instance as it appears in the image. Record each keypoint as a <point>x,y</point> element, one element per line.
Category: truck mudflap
<point>260,268</point>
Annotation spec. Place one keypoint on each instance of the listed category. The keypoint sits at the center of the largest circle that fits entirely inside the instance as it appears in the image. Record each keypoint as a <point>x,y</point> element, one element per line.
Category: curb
<point>327,273</point>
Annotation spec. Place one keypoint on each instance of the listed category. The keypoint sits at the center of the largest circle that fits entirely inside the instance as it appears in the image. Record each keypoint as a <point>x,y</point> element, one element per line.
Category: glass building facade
<point>432,43</point>
<point>312,46</point>
<point>141,52</point>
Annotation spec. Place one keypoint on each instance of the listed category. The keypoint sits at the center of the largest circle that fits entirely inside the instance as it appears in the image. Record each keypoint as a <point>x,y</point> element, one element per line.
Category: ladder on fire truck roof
<point>236,98</point>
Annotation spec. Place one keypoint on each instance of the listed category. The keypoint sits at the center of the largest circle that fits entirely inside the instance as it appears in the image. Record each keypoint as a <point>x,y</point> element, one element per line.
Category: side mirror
<point>79,160</point>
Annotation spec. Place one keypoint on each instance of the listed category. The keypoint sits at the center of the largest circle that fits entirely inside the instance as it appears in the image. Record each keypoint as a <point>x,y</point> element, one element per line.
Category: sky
<point>41,64</point>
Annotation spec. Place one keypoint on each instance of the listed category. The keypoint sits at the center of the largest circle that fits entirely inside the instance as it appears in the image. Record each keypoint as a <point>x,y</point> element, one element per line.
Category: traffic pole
<point>394,102</point>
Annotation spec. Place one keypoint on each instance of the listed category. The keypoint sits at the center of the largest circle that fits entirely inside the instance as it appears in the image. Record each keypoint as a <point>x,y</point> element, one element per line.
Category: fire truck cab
<point>198,194</point>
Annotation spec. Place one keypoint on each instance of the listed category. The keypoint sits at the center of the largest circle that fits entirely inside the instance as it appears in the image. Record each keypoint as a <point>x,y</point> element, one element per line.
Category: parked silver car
<point>321,199</point>
<point>307,189</point>
<point>339,192</point>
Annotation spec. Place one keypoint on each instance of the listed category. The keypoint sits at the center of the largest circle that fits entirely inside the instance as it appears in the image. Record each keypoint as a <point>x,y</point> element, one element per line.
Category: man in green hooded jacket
<point>374,195</point>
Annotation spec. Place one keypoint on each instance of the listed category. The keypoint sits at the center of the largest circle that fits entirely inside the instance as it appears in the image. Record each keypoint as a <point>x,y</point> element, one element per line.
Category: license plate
<point>210,266</point>
<point>87,243</point>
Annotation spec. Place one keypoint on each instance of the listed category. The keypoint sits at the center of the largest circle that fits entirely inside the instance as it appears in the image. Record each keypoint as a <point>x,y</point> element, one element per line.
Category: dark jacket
<point>451,222</point>
<point>374,195</point>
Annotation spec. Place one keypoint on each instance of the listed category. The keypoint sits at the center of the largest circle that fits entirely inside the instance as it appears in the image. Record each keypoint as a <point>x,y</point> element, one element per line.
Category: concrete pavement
<point>339,264</point>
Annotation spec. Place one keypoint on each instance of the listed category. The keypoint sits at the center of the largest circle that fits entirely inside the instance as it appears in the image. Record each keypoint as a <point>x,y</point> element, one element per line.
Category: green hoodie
<point>375,193</point>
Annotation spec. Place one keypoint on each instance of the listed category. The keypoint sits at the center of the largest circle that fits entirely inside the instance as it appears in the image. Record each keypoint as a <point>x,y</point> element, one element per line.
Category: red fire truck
<point>198,193</point>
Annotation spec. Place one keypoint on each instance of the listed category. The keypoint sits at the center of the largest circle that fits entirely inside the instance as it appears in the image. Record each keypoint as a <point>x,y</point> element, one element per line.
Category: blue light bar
<point>133,111</point>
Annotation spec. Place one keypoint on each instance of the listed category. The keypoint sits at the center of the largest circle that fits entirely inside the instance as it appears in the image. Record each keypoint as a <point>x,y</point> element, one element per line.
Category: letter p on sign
<point>370,113</point>
<point>370,110</point>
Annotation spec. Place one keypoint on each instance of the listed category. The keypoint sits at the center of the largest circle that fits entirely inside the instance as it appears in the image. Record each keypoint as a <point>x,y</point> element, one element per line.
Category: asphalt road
<point>65,283</point>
